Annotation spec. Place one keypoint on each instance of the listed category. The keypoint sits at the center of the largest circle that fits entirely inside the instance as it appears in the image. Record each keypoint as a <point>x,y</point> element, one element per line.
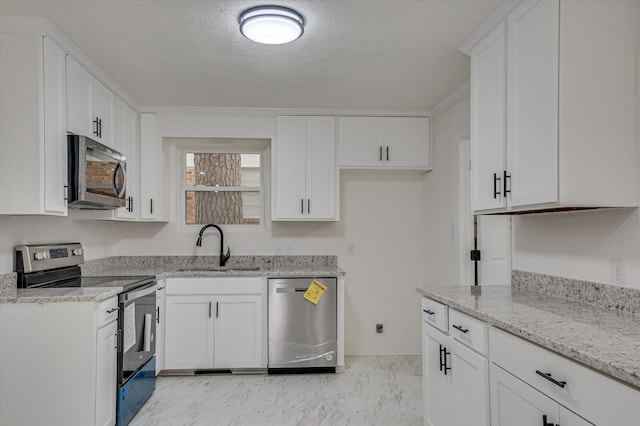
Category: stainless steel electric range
<point>58,266</point>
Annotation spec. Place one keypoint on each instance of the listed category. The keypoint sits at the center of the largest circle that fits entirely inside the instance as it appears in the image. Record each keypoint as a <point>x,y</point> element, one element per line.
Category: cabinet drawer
<point>468,330</point>
<point>435,313</point>
<point>214,285</point>
<point>596,397</point>
<point>106,311</point>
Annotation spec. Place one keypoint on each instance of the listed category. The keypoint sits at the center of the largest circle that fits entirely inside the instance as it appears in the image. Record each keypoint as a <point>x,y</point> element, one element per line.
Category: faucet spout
<point>224,257</point>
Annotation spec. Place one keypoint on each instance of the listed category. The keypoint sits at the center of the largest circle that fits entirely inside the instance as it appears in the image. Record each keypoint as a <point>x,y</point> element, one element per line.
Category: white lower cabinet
<point>189,332</point>
<point>214,323</point>
<point>513,402</point>
<point>456,381</point>
<point>479,375</point>
<point>161,313</point>
<point>106,376</point>
<point>238,331</point>
<point>58,363</point>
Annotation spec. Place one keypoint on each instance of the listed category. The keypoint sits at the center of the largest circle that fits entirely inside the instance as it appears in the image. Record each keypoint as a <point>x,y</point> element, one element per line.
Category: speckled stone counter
<point>604,339</point>
<point>190,266</point>
<point>169,267</point>
<point>56,295</point>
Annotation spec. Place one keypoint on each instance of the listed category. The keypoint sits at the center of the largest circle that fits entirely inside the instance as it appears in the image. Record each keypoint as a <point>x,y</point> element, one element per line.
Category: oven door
<point>136,330</point>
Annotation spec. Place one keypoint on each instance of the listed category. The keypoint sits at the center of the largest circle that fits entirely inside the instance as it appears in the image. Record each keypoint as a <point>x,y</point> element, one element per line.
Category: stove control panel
<point>34,258</point>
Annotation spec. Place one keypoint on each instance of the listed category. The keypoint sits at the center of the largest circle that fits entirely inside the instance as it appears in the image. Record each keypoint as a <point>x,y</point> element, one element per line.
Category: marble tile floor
<point>373,390</point>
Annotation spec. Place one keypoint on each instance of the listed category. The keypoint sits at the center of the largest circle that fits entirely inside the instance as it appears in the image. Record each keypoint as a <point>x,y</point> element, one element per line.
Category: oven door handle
<point>141,293</point>
<point>119,191</point>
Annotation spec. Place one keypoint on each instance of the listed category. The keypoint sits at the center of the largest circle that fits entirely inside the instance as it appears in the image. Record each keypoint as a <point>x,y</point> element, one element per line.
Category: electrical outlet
<point>351,249</point>
<point>278,249</point>
<point>379,328</point>
<point>617,271</point>
<point>288,248</point>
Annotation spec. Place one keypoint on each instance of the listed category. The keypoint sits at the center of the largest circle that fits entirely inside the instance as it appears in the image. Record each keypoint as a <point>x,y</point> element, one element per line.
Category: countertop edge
<point>70,295</point>
<point>629,378</point>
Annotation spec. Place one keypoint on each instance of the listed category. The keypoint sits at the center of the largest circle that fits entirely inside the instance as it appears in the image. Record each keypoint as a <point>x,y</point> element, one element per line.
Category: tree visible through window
<point>222,188</point>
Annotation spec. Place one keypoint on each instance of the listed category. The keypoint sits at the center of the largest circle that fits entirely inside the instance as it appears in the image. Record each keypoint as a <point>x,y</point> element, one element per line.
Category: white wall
<point>16,230</point>
<point>579,245</point>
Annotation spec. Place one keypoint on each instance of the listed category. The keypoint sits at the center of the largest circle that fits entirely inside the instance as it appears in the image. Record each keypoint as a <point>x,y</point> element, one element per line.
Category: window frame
<point>214,146</point>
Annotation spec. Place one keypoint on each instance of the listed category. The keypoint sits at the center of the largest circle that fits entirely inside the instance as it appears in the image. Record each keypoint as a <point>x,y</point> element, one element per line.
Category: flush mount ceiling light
<point>271,24</point>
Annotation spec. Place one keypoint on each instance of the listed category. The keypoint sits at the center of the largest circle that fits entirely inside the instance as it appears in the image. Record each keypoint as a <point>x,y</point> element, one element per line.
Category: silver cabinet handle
<point>387,153</point>
<point>380,156</point>
<point>209,309</point>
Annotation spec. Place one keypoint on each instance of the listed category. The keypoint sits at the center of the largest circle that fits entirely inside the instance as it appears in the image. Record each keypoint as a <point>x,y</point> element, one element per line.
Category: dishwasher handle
<point>291,289</point>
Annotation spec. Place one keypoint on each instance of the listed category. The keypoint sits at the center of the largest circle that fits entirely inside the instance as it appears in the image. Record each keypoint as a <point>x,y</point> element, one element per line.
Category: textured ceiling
<point>370,54</point>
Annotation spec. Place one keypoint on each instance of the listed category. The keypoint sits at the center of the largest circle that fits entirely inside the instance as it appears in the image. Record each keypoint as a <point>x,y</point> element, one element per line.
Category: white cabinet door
<point>513,402</point>
<point>384,143</point>
<point>569,418</point>
<point>106,374</point>
<point>89,104</point>
<point>361,141</point>
<point>238,331</point>
<point>33,142</point>
<point>189,332</point>
<point>126,131</point>
<point>79,81</point>
<point>437,386</point>
<point>488,120</point>
<point>290,168</point>
<point>321,171</point>
<point>161,313</point>
<point>407,142</point>
<point>532,102</point>
<point>152,171</point>
<point>470,376</point>
<point>102,108</point>
<point>55,141</point>
<point>305,184</point>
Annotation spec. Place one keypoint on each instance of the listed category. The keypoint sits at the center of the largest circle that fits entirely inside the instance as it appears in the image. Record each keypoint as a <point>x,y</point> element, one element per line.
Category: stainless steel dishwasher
<point>302,335</point>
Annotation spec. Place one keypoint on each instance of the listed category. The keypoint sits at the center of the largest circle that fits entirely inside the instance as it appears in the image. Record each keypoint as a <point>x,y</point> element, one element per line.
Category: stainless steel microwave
<point>97,175</point>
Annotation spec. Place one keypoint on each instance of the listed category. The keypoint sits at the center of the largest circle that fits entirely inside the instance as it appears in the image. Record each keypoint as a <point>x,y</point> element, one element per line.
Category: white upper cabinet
<point>488,115</point>
<point>33,143</point>
<point>553,104</point>
<point>89,105</point>
<point>384,143</point>
<point>152,180</point>
<point>305,175</point>
<point>125,131</point>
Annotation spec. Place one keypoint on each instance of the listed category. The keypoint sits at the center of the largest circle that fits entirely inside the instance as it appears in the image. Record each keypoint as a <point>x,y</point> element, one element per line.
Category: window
<point>222,187</point>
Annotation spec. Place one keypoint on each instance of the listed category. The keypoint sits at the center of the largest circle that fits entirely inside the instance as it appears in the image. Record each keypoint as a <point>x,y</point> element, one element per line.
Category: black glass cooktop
<point>127,283</point>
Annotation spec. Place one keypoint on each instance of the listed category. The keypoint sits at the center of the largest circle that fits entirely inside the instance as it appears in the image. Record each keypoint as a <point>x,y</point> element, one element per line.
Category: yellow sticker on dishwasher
<point>315,291</point>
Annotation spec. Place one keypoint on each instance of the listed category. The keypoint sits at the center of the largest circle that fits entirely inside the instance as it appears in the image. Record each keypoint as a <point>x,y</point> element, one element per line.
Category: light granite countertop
<point>170,267</point>
<point>604,339</point>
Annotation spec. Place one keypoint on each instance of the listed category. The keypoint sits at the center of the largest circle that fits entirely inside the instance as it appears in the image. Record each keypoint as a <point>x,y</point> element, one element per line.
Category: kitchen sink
<point>221,269</point>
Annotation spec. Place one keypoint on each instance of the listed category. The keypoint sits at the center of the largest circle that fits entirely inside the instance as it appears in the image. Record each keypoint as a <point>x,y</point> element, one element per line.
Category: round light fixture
<point>271,24</point>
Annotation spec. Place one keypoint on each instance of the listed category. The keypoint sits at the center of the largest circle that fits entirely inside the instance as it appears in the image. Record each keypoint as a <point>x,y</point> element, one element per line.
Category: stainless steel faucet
<point>223,257</point>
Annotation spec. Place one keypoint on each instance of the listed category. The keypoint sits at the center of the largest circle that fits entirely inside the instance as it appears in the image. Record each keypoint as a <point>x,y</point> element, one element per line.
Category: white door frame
<point>464,243</point>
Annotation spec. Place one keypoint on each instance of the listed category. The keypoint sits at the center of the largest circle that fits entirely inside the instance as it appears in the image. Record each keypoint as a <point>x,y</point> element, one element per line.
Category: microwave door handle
<point>119,192</point>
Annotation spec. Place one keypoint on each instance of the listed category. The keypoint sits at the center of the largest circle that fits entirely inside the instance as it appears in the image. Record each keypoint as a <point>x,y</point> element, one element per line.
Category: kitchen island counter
<point>604,339</point>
